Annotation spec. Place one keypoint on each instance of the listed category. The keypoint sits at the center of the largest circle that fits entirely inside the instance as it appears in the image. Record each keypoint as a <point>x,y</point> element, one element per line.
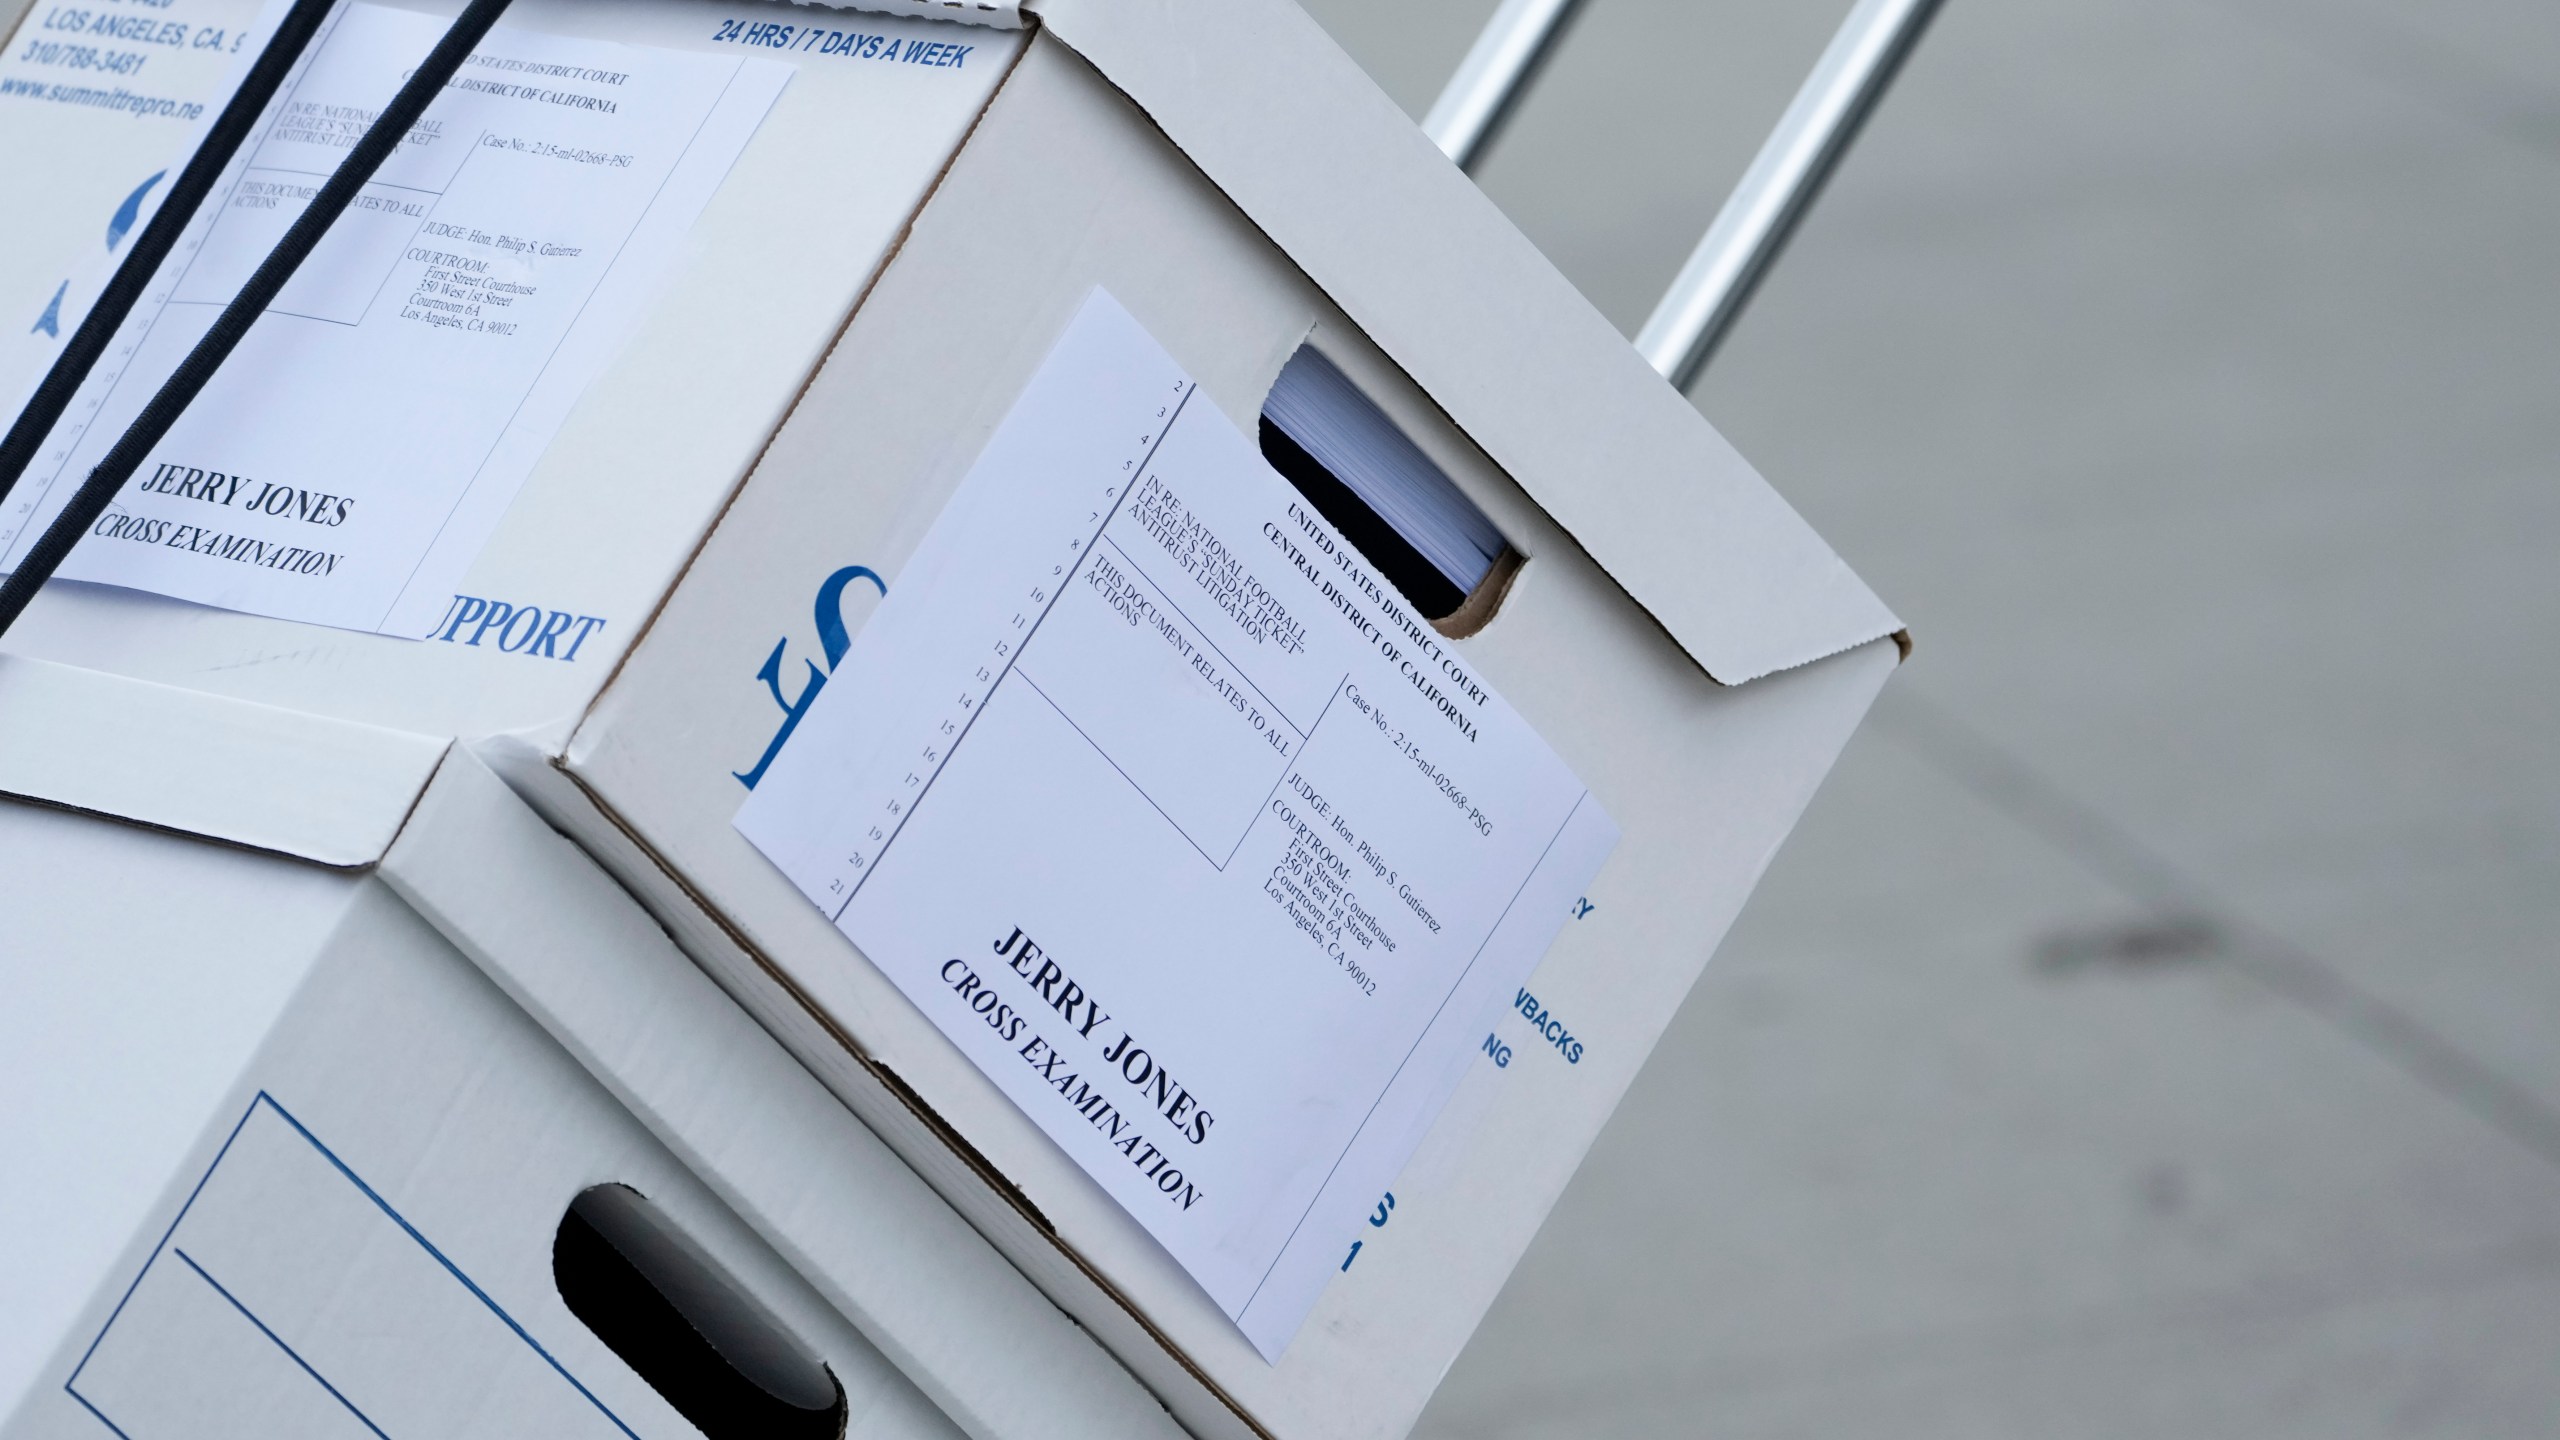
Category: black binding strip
<point>196,180</point>
<point>198,369</point>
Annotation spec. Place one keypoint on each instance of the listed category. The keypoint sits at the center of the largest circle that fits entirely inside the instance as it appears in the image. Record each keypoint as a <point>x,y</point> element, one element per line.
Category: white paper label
<point>362,443</point>
<point>102,103</point>
<point>1211,854</point>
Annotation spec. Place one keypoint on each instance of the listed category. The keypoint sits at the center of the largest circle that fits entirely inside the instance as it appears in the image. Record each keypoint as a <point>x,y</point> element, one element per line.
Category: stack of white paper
<point>1317,406</point>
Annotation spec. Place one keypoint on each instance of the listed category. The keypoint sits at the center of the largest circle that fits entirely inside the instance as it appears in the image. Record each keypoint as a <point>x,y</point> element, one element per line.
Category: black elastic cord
<point>196,180</point>
<point>198,369</point>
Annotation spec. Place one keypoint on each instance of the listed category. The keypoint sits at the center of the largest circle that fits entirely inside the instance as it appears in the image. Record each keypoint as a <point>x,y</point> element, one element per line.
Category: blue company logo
<point>50,322</point>
<point>833,640</point>
<point>119,225</point>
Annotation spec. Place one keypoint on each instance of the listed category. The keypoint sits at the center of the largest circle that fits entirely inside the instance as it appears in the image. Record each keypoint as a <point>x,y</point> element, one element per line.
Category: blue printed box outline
<point>71,1385</point>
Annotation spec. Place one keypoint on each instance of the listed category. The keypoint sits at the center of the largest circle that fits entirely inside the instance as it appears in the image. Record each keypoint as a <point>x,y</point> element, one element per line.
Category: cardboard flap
<point>328,791</point>
<point>1001,14</point>
<point>1300,139</point>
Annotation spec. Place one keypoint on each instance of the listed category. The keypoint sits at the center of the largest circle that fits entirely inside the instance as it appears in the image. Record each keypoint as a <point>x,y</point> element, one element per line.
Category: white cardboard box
<point>304,1089</point>
<point>1694,652</point>
<point>1631,609</point>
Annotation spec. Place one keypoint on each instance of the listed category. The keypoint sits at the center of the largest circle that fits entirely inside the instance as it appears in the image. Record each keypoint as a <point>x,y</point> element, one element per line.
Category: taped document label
<point>349,461</point>
<point>1212,854</point>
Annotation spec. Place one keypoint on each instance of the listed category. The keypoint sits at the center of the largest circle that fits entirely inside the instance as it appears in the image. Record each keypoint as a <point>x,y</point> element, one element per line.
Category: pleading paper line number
<point>952,726</point>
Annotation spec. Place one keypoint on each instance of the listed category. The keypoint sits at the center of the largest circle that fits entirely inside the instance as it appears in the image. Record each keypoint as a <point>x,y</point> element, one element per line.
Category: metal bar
<point>1490,81</point>
<point>1781,185</point>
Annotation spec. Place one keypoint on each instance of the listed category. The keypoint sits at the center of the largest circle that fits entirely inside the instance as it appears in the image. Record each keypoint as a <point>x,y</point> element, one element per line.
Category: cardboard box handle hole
<point>703,1343</point>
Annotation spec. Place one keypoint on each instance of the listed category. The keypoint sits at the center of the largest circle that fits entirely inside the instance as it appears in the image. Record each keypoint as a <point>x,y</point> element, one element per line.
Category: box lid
<point>1293,132</point>
<point>329,791</point>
